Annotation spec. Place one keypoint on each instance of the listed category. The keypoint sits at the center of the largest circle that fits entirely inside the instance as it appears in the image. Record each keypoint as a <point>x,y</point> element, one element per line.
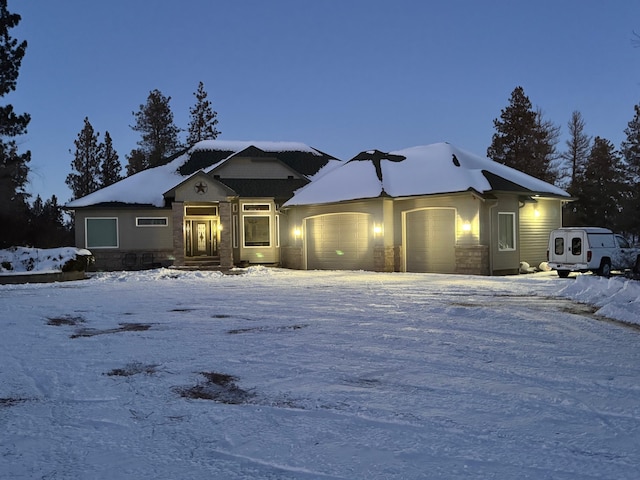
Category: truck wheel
<point>563,273</point>
<point>605,269</point>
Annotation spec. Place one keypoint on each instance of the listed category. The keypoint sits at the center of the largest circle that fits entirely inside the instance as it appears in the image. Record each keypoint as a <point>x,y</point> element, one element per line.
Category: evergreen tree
<point>136,161</point>
<point>602,188</point>
<point>630,149</point>
<point>203,119</point>
<point>110,166</point>
<point>14,168</point>
<point>86,163</point>
<point>48,229</point>
<point>576,155</point>
<point>578,146</point>
<point>545,152</point>
<point>154,120</point>
<point>524,140</point>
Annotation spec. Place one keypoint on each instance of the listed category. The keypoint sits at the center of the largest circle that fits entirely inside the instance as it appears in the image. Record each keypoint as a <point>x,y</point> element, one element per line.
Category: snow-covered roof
<point>239,145</point>
<point>147,187</point>
<point>438,168</point>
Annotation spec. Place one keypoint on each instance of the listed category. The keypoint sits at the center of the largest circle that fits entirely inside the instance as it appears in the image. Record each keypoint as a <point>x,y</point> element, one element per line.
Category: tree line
<point>602,179</point>
<point>96,164</point>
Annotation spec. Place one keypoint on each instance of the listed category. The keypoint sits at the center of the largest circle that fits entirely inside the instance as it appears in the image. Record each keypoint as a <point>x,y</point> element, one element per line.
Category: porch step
<point>203,263</point>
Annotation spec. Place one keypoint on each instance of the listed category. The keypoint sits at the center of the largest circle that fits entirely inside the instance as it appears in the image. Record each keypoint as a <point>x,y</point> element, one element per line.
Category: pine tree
<point>154,120</point>
<point>203,119</point>
<point>110,166</point>
<point>524,140</point>
<point>630,149</point>
<point>578,146</point>
<point>86,163</point>
<point>602,188</point>
<point>48,229</point>
<point>14,168</point>
<point>576,155</point>
<point>136,161</point>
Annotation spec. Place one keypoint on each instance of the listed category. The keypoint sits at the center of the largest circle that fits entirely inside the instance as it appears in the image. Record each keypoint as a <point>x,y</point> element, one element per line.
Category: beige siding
<point>201,189</point>
<point>536,223</point>
<point>130,236</point>
<point>255,168</point>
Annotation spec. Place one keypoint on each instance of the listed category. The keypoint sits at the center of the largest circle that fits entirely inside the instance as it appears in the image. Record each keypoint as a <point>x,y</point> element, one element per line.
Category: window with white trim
<point>101,232</point>
<point>257,231</point>
<point>506,231</point>
<point>152,221</point>
<point>256,207</point>
<point>235,230</point>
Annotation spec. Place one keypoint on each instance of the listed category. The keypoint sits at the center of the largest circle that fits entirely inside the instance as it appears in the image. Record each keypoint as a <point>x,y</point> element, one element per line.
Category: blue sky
<point>339,75</point>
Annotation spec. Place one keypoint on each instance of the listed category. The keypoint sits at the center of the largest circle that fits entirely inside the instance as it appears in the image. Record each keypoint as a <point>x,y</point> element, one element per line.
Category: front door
<point>201,238</point>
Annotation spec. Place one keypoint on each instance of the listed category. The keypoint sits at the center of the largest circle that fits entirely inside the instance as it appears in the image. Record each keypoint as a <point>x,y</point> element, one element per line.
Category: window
<point>559,246</point>
<point>234,227</point>
<point>152,221</point>
<point>208,210</point>
<point>576,246</point>
<point>256,207</point>
<point>622,242</point>
<point>256,231</point>
<point>506,231</point>
<point>101,232</point>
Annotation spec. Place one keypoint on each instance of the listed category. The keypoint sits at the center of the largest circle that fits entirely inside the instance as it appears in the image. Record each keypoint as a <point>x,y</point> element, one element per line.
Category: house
<point>433,208</point>
<point>216,204</point>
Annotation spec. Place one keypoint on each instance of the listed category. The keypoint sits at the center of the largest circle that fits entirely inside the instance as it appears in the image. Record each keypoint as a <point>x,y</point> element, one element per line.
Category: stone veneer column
<point>225,248</point>
<point>177,213</point>
<point>383,258</point>
<point>472,259</point>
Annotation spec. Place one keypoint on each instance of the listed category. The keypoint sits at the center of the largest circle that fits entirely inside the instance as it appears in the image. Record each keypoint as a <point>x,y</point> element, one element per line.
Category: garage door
<point>339,242</point>
<point>430,240</point>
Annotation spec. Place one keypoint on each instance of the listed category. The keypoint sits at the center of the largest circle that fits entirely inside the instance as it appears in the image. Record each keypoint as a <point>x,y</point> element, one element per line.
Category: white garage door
<point>430,240</point>
<point>339,242</point>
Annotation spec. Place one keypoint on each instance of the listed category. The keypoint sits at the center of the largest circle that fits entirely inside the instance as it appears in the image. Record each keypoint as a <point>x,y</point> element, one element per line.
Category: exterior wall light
<point>297,233</point>
<point>377,229</point>
<point>536,212</point>
<point>466,227</point>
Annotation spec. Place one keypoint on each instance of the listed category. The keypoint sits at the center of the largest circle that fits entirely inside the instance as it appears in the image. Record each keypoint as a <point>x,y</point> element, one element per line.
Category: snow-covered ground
<point>279,374</point>
<point>24,261</point>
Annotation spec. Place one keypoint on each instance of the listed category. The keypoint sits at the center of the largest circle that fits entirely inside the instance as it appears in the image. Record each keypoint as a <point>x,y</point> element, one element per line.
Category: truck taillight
<point>588,255</point>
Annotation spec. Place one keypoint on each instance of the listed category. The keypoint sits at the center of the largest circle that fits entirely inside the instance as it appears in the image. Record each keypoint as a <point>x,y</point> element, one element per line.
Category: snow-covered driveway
<point>345,375</point>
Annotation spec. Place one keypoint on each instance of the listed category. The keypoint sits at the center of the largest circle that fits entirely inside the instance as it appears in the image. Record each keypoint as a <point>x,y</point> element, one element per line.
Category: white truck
<point>595,249</point>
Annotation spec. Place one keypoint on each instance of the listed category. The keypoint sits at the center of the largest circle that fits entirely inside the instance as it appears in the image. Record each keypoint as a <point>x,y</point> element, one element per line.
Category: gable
<point>200,187</point>
<point>304,160</point>
<point>202,159</point>
<point>254,167</point>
